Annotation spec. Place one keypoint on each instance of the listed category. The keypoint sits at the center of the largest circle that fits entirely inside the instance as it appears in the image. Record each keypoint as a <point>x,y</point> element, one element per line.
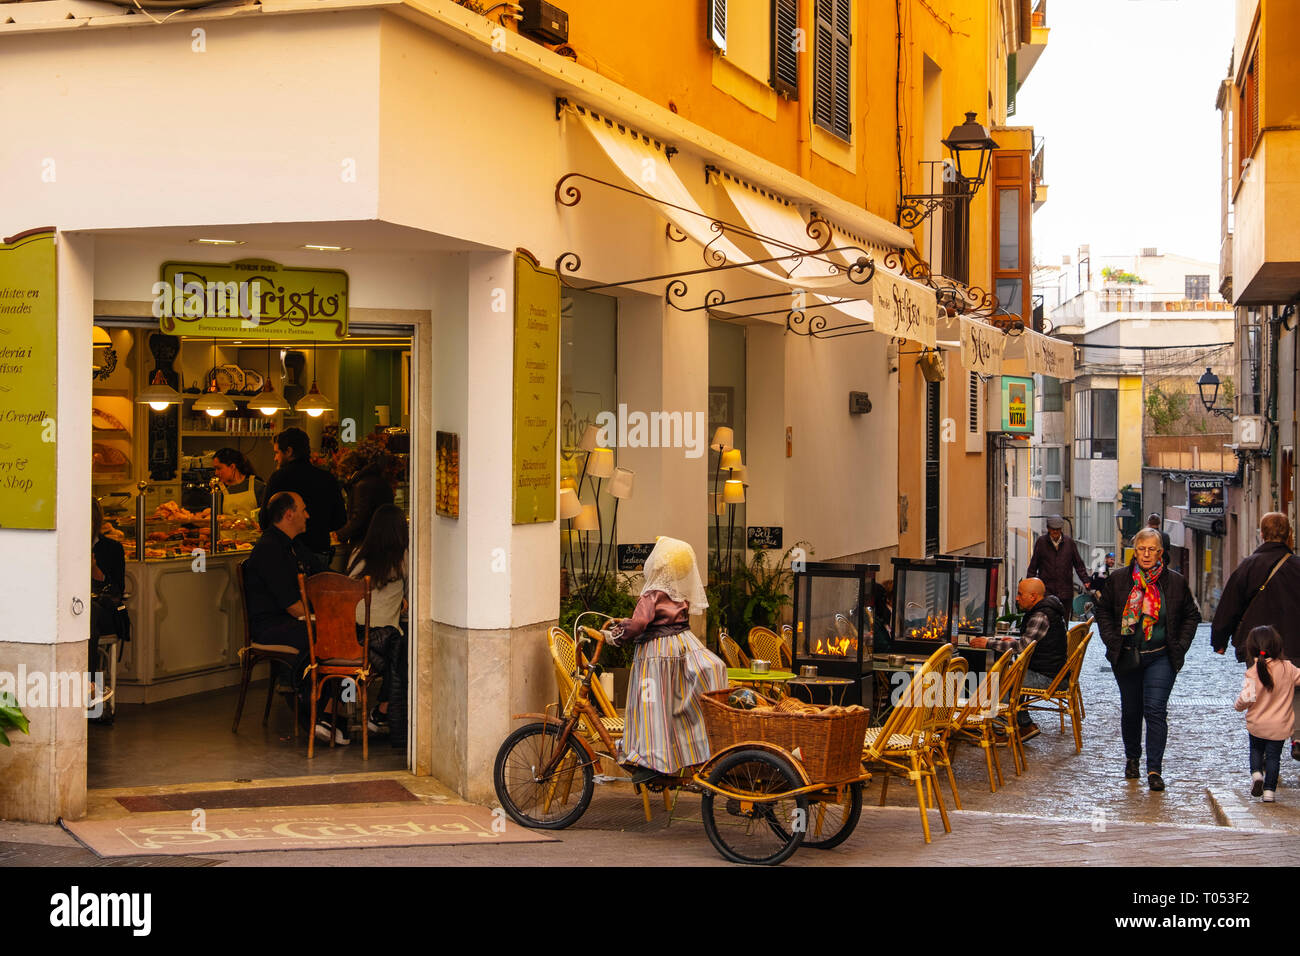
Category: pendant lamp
<point>214,401</point>
<point>314,403</point>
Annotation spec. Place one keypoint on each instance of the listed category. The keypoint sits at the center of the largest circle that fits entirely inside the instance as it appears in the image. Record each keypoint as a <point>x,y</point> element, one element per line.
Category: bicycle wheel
<point>831,821</point>
<point>552,803</point>
<point>745,831</point>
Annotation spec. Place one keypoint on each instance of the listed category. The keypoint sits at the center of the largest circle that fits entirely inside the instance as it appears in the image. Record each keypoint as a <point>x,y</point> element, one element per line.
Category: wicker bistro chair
<point>331,600</point>
<point>975,717</point>
<point>1072,638</point>
<point>252,654</point>
<point>787,638</point>
<point>566,656</point>
<point>903,745</point>
<point>731,651</point>
<point>766,646</point>
<point>940,725</point>
<point>1015,678</point>
<point>1062,695</point>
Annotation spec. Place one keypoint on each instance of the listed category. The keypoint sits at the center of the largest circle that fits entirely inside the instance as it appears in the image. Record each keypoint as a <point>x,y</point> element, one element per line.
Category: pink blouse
<point>654,609</point>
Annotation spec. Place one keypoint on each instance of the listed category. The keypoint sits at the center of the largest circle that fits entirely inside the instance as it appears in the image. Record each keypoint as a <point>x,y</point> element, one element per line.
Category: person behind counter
<point>275,610</point>
<point>383,556</point>
<point>244,491</point>
<point>318,489</point>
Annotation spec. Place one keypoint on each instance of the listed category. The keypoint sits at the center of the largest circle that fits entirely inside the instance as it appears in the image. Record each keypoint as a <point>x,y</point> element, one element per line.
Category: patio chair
<point>766,646</point>
<point>1015,677</point>
<point>1062,695</point>
<point>902,746</point>
<point>975,718</point>
<point>252,654</point>
<point>331,600</point>
<point>938,728</point>
<point>731,651</point>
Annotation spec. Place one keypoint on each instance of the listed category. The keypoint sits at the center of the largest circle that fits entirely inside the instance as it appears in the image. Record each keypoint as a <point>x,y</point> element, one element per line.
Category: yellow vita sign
<point>251,298</point>
<point>29,389</point>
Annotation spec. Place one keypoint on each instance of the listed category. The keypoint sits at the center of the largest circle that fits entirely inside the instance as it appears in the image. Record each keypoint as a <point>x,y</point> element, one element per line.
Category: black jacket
<point>1050,651</point>
<point>1244,606</point>
<point>1056,567</point>
<point>320,492</point>
<point>1181,612</point>
<point>368,489</point>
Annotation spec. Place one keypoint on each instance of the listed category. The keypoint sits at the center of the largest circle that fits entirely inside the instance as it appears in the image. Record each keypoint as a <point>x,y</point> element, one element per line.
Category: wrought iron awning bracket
<point>716,299</point>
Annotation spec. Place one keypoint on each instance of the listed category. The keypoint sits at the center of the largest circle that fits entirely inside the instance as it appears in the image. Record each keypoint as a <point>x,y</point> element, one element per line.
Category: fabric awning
<point>904,308</point>
<point>982,345</point>
<point>1040,354</point>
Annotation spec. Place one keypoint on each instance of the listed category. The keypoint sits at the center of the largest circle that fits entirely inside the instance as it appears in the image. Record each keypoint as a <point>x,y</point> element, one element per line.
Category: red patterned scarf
<point>1143,601</point>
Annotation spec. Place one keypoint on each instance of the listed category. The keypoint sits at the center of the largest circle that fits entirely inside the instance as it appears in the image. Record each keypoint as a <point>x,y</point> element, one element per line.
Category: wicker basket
<point>830,745</point>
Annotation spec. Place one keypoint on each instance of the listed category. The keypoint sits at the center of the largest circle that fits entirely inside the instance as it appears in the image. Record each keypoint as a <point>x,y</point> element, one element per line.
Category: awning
<point>1041,354</point>
<point>904,308</point>
<point>982,345</point>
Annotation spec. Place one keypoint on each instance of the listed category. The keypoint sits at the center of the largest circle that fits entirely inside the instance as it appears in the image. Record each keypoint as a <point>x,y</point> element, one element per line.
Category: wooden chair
<point>331,600</point>
<point>902,745</point>
<point>252,654</point>
<point>766,646</point>
<point>731,651</point>
<point>974,719</point>
<point>1062,695</point>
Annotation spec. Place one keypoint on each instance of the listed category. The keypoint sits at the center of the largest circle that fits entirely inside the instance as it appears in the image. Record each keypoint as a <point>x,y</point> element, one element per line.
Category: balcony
<point>1266,234</point>
<point>1036,163</point>
<point>1033,43</point>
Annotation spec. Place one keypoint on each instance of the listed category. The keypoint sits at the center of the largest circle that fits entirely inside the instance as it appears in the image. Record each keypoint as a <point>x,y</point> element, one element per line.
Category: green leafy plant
<point>1165,408</point>
<point>11,718</point>
<point>611,595</point>
<point>1122,277</point>
<point>756,594</point>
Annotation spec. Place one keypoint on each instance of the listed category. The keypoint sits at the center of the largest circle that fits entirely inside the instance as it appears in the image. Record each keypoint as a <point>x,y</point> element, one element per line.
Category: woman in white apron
<point>244,491</point>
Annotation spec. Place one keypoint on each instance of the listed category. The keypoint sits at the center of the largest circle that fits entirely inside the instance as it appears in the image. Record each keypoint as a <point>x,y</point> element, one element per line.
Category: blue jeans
<point>1144,694</point>
<point>1264,755</point>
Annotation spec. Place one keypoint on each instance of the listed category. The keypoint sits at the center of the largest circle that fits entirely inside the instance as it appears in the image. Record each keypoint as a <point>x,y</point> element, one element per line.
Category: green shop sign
<point>1017,405</point>
<point>251,298</point>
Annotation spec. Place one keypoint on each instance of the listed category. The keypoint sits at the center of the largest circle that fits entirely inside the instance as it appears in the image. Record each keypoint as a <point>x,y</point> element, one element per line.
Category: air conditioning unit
<point>544,21</point>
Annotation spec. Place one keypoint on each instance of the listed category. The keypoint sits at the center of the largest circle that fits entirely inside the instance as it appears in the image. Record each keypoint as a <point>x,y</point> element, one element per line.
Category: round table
<point>836,687</point>
<point>745,677</point>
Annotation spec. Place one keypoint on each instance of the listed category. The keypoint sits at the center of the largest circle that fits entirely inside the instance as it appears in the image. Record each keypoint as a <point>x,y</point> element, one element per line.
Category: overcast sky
<point>1124,94</point>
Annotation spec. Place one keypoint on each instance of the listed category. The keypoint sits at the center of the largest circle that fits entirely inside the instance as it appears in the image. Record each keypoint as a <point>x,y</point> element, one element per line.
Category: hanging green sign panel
<point>29,389</point>
<point>252,299</point>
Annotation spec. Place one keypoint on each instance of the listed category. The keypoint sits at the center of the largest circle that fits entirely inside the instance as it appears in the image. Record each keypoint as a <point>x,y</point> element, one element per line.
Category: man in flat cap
<point>1055,557</point>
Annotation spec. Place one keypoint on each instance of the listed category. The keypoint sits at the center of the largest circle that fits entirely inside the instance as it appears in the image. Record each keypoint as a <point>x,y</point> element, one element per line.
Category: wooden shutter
<point>832,67</point>
<point>974,413</point>
<point>1012,86</point>
<point>785,54</point>
<point>717,10</point>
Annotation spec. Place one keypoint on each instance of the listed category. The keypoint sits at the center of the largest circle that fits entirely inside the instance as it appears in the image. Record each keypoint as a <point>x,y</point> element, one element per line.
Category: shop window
<point>726,409</point>
<point>1196,287</point>
<point>832,67</point>
<point>588,386</point>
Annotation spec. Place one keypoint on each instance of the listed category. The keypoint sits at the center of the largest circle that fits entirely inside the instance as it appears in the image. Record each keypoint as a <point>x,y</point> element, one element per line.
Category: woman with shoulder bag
<point>1147,618</point>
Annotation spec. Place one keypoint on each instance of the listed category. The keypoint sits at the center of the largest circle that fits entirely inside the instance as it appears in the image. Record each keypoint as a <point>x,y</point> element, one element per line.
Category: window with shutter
<point>832,67</point>
<point>718,24</point>
<point>786,47</point>
<point>1012,86</point>
<point>1248,111</point>
<point>974,413</point>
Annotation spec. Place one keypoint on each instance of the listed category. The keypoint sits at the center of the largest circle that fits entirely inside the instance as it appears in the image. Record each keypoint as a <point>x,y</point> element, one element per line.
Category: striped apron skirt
<point>664,722</point>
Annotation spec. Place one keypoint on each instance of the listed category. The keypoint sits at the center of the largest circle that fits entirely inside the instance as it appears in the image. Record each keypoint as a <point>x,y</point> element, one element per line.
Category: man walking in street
<point>1055,561</point>
<point>1265,589</point>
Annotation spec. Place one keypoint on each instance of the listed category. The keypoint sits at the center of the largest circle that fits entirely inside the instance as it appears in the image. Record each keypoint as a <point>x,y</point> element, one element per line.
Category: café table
<point>772,681</point>
<point>835,687</point>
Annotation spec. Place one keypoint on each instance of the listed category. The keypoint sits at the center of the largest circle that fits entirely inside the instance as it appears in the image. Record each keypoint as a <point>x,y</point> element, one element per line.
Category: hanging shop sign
<point>1016,407</point>
<point>981,347</point>
<point>29,389</point>
<point>1205,496</point>
<point>904,309</point>
<point>1045,355</point>
<point>536,390</point>
<point>250,299</point>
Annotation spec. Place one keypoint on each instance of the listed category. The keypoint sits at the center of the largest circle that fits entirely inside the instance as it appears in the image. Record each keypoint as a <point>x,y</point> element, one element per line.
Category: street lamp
<point>971,149</point>
<point>1121,518</point>
<point>1208,384</point>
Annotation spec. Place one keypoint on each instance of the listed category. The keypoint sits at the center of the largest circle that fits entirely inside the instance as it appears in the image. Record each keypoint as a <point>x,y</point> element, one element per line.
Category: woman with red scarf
<point>1150,608</point>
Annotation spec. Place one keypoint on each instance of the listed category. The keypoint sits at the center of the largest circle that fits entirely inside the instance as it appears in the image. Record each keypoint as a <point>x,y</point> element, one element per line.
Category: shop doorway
<point>156,476</point>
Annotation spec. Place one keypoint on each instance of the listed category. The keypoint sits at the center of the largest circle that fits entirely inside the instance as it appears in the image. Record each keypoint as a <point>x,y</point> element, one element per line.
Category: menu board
<point>536,390</point>
<point>29,388</point>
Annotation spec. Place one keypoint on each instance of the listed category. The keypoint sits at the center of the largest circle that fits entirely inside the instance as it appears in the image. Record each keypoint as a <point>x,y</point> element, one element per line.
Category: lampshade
<point>214,401</point>
<point>731,459</point>
<point>158,394</point>
<point>601,463</point>
<point>269,401</point>
<point>741,474</point>
<point>620,486</point>
<point>569,483</point>
<point>723,439</point>
<point>570,506</point>
<point>588,442</point>
<point>733,492</point>
<point>587,519</point>
<point>100,337</point>
<point>716,505</point>
<point>314,403</point>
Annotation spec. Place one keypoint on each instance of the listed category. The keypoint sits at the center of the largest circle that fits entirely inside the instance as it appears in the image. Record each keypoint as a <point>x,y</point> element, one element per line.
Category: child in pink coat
<point>1266,694</point>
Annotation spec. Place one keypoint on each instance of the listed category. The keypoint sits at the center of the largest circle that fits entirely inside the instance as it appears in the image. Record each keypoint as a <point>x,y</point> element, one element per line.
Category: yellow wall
<point>1129,446</point>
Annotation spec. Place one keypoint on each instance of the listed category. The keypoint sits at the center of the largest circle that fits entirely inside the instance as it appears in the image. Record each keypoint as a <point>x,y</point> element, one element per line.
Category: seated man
<point>275,611</point>
<point>1044,622</point>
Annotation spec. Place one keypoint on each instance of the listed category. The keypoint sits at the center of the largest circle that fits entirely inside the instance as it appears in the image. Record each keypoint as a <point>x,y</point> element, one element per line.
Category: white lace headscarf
<point>671,568</point>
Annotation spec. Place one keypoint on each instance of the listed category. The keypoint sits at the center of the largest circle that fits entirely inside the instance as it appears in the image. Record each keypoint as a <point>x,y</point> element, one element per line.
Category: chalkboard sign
<point>631,557</point>
<point>763,536</point>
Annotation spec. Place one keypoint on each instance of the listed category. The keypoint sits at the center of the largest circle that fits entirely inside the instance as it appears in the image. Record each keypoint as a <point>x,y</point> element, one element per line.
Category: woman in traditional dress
<point>664,726</point>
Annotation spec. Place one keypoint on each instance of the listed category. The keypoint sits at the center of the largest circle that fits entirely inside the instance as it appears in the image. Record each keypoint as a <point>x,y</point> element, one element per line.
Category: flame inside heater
<point>835,647</point>
<point>935,628</point>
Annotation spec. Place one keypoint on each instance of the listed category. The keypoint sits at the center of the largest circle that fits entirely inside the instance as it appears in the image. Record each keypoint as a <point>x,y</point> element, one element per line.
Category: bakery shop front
<point>185,407</point>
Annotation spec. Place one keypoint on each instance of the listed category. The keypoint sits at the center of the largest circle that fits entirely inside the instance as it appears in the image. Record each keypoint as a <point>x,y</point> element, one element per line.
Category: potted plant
<point>11,718</point>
